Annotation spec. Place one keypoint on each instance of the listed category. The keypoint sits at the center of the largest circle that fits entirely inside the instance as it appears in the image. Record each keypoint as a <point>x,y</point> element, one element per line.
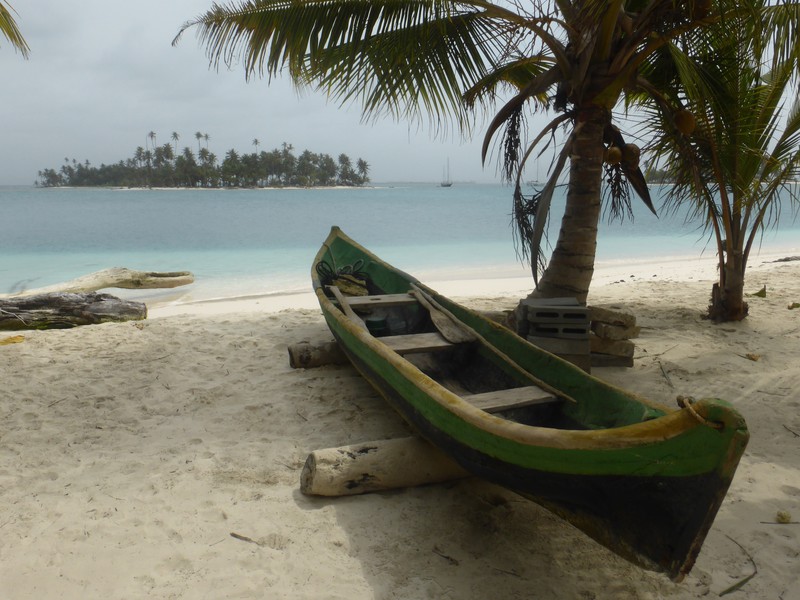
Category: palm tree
<point>231,170</point>
<point>9,29</point>
<point>737,157</point>
<point>256,143</point>
<point>577,57</point>
<point>362,167</point>
<point>175,138</point>
<point>206,137</point>
<point>152,137</point>
<point>288,162</point>
<point>198,136</point>
<point>186,169</point>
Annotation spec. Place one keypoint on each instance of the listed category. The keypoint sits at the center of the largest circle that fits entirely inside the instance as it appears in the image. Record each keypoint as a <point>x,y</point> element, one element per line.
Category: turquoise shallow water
<point>263,241</point>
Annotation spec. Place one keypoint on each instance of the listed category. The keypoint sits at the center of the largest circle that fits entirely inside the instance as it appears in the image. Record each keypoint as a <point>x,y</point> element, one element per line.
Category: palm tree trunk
<point>727,296</point>
<point>569,272</point>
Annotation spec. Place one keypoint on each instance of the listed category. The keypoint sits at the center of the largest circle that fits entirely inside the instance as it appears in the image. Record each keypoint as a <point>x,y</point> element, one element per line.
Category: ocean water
<point>240,242</point>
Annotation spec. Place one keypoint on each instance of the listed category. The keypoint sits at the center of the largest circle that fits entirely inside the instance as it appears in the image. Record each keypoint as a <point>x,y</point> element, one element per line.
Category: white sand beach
<point>161,458</point>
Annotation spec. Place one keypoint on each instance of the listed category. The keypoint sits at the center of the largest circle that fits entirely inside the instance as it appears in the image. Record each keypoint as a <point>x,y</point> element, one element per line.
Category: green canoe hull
<point>642,479</point>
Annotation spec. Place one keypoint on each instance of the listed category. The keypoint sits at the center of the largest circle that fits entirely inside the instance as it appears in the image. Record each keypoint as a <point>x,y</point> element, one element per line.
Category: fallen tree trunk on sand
<point>64,310</point>
<point>376,466</point>
<point>117,277</point>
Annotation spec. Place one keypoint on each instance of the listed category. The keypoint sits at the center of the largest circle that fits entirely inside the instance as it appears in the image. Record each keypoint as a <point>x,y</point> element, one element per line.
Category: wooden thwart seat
<point>500,400</point>
<point>382,300</point>
<point>416,342</point>
<point>347,303</point>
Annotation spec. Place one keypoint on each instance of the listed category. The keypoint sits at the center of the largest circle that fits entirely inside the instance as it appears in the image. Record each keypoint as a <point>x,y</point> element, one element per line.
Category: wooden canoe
<point>642,479</point>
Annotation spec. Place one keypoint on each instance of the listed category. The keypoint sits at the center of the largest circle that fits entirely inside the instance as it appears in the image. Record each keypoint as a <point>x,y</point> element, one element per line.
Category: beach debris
<point>787,259</point>
<point>449,559</point>
<point>742,582</point>
<point>794,433</point>
<point>14,339</point>
<point>244,538</point>
<point>783,517</point>
<point>762,293</point>
<point>794,305</point>
<point>751,356</point>
<point>116,277</point>
<point>65,310</point>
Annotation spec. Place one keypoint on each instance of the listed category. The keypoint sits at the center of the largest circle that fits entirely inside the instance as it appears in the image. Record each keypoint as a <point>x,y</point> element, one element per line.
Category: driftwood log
<point>117,277</point>
<point>64,310</point>
<point>376,466</point>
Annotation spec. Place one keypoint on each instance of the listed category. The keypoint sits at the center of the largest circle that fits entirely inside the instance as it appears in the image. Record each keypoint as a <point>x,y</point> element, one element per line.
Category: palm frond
<point>788,144</point>
<point>10,30</point>
<point>531,213</point>
<point>782,20</point>
<point>516,74</point>
<point>538,86</point>
<point>404,57</point>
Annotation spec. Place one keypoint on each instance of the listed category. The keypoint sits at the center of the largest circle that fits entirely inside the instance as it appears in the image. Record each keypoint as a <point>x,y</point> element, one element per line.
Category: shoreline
<point>468,283</point>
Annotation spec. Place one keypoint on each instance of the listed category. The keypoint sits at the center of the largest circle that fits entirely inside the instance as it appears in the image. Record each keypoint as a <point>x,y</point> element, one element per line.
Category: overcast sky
<point>102,74</point>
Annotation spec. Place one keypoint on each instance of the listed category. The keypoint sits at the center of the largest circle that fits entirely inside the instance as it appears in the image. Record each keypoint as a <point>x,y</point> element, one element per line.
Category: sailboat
<point>446,181</point>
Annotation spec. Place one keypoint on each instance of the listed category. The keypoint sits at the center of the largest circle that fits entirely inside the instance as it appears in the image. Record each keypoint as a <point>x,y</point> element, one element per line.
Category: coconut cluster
<point>628,154</point>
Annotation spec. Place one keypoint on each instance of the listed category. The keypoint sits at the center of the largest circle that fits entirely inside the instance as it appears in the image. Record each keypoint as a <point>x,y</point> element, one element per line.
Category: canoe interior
<point>468,369</point>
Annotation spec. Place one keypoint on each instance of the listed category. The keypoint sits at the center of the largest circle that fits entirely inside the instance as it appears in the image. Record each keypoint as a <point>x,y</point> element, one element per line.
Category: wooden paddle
<point>475,336</point>
<point>453,331</point>
<point>345,306</point>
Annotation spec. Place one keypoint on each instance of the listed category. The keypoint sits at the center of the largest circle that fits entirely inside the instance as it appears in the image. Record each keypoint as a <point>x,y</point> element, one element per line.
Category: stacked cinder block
<point>610,339</point>
<point>558,325</point>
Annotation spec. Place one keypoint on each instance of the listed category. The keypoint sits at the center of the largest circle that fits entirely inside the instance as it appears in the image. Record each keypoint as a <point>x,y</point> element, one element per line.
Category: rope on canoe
<point>687,402</point>
<point>350,279</point>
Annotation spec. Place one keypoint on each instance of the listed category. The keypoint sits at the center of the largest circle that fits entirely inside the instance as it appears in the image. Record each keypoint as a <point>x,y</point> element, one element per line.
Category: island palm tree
<point>735,153</point>
<point>152,137</point>
<point>362,168</point>
<point>9,29</point>
<point>198,136</point>
<point>175,138</point>
<point>256,143</point>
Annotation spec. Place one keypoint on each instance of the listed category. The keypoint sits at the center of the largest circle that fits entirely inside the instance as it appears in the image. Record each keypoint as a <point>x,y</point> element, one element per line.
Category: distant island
<point>659,176</point>
<point>163,166</point>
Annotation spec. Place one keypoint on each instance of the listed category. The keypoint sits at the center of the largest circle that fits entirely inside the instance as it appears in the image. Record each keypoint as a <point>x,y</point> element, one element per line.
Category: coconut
<point>685,122</point>
<point>613,155</point>
<point>630,154</point>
